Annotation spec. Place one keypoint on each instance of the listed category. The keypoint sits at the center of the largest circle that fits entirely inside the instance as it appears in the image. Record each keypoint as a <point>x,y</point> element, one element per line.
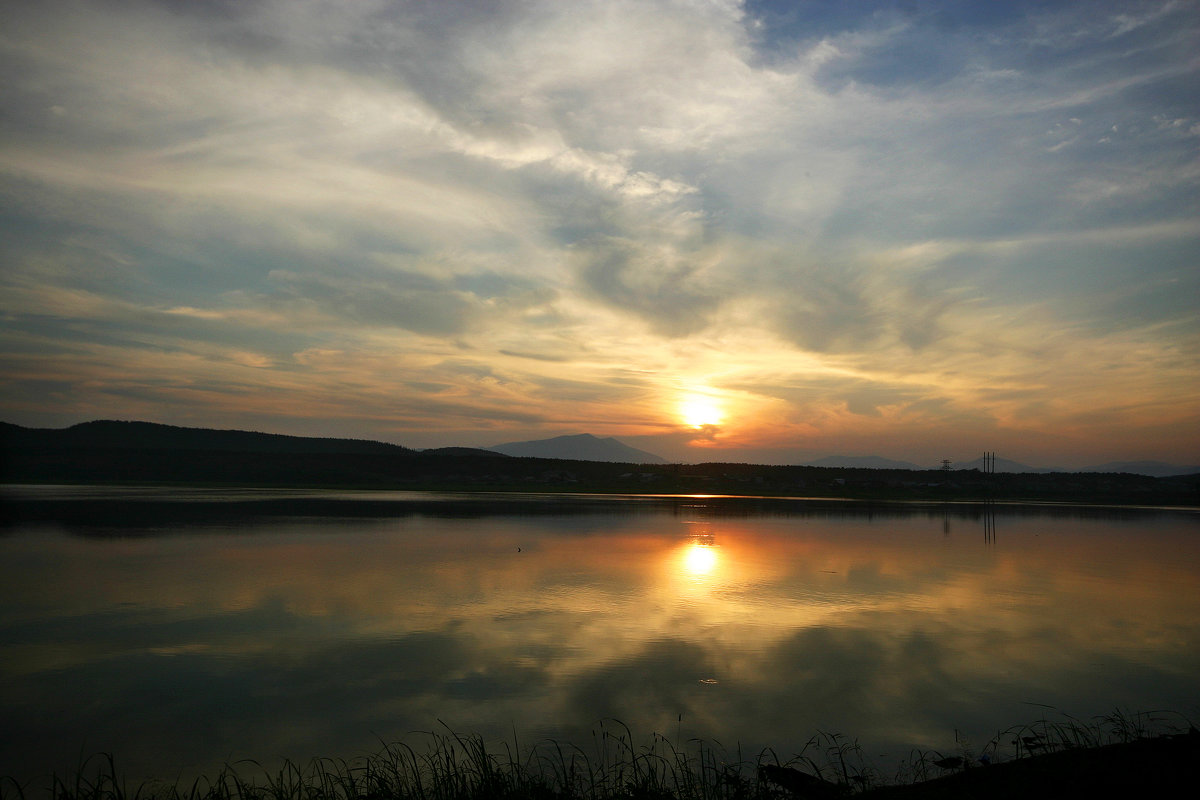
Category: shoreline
<point>124,505</point>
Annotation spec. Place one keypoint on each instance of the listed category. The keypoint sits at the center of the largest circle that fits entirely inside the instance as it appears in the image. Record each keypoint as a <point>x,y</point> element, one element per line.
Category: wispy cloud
<point>962,226</point>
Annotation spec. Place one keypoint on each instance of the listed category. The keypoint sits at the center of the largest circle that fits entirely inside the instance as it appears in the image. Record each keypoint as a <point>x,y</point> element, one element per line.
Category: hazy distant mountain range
<point>862,462</point>
<point>1156,469</point>
<point>585,447</point>
<point>582,447</point>
<point>1005,465</point>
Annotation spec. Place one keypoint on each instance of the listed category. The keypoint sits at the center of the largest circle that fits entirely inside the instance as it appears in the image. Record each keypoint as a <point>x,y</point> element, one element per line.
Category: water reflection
<point>989,524</point>
<point>699,560</point>
<point>699,557</point>
<point>312,636</point>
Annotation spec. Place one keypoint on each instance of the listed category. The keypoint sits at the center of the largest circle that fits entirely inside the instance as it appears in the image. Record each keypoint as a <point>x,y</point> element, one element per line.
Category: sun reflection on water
<point>700,560</point>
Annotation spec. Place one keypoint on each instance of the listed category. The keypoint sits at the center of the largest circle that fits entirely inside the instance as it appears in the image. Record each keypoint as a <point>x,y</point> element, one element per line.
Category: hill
<point>583,447</point>
<point>119,435</point>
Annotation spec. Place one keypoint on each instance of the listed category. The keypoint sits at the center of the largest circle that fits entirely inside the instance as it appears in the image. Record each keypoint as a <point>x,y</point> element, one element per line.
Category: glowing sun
<point>698,412</point>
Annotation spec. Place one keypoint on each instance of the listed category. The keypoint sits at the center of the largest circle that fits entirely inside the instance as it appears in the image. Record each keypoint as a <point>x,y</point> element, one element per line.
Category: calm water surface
<point>182,631</point>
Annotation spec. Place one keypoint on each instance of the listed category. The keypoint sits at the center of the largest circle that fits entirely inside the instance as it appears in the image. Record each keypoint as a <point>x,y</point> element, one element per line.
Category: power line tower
<point>946,464</point>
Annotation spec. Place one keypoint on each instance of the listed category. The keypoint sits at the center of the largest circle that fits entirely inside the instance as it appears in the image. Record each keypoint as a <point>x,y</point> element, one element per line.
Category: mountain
<point>116,435</point>
<point>1155,469</point>
<point>862,462</point>
<point>1003,465</point>
<point>583,447</point>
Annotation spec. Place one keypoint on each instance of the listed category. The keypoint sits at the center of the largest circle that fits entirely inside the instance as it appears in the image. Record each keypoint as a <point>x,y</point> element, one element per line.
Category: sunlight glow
<point>698,411</point>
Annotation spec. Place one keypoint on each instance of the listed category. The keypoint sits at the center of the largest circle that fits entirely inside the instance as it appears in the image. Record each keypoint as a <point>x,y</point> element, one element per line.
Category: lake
<point>180,630</point>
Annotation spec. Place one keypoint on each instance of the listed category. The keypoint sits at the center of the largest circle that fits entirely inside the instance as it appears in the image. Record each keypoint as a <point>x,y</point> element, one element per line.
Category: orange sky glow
<point>720,231</point>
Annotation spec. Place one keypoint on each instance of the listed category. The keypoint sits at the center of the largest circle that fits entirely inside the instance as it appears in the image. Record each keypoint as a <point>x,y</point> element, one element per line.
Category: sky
<point>720,231</point>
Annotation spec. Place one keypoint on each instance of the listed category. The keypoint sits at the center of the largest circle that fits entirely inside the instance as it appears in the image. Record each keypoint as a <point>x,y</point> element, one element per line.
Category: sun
<point>698,411</point>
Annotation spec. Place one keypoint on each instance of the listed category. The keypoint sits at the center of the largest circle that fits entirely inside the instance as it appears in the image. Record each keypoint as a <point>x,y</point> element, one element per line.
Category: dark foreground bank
<point>1149,768</point>
<point>1041,761</point>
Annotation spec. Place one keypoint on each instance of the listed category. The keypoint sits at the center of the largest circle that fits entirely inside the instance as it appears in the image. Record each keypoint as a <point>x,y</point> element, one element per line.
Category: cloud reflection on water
<point>311,637</point>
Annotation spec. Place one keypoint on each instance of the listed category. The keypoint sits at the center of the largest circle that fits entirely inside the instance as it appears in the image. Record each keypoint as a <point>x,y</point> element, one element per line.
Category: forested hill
<point>143,452</point>
<point>111,434</point>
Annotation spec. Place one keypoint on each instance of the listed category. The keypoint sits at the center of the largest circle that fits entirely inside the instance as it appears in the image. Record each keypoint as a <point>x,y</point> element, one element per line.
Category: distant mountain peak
<point>579,447</point>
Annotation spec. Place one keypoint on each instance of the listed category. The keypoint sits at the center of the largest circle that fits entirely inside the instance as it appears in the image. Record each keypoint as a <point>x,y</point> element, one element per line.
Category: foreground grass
<point>1145,755</point>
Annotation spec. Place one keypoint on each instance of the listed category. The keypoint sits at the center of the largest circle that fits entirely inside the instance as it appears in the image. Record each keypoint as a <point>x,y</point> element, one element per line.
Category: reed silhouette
<point>1145,754</point>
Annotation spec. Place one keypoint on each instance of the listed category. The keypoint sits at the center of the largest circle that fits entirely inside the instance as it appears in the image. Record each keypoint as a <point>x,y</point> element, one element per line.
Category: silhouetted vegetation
<point>142,453</point>
<point>1143,755</point>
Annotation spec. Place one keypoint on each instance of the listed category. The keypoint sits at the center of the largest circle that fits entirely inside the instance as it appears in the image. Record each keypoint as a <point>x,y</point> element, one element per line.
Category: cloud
<point>947,202</point>
<point>657,283</point>
<point>408,301</point>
